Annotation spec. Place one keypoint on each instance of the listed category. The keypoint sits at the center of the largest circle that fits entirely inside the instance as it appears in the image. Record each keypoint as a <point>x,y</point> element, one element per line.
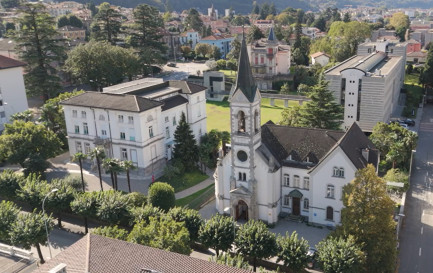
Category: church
<point>272,170</point>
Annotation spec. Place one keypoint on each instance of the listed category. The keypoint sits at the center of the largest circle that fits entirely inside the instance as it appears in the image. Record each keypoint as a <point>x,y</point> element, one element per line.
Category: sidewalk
<point>204,184</point>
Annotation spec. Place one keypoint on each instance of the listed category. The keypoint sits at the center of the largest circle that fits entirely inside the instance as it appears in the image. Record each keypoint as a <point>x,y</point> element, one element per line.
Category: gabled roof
<point>173,101</point>
<point>317,54</point>
<point>121,102</point>
<point>99,254</point>
<point>187,87</point>
<point>245,81</point>
<point>6,62</point>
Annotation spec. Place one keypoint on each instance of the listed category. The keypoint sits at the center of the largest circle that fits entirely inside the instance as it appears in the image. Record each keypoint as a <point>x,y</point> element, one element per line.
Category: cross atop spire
<point>245,81</point>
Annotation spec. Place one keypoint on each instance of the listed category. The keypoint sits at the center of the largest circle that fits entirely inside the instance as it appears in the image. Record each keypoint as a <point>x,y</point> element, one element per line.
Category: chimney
<point>365,153</point>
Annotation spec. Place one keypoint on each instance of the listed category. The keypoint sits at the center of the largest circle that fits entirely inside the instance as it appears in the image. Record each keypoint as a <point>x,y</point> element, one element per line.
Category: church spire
<point>245,81</point>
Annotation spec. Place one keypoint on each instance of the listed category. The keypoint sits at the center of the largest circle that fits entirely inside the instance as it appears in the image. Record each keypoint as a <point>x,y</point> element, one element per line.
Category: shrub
<point>137,199</point>
<point>190,217</point>
<point>113,207</point>
<point>112,232</point>
<point>161,195</point>
<point>10,183</point>
<point>74,181</point>
<point>143,214</point>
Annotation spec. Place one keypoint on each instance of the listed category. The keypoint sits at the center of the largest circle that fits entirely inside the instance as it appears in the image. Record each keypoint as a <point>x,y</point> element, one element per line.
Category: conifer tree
<point>107,24</point>
<point>38,44</point>
<point>322,111</point>
<point>186,149</point>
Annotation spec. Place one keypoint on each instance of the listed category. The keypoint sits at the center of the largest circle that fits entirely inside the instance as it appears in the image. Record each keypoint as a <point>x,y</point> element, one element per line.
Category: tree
<point>193,21</point>
<point>186,50</point>
<point>9,183</point>
<point>163,233</point>
<point>399,20</point>
<point>25,116</point>
<point>113,207</point>
<point>69,20</point>
<point>127,166</point>
<point>98,154</point>
<point>10,4</point>
<point>368,216</point>
<point>61,200</point>
<point>107,24</point>
<point>397,175</point>
<point>216,53</point>
<point>38,45</point>
<point>221,64</point>
<point>161,195</point>
<point>144,213</point>
<point>426,76</point>
<point>298,57</point>
<point>254,240</point>
<point>29,230</point>
<point>100,64</point>
<point>346,17</point>
<point>185,149</point>
<point>84,205</point>
<point>232,64</point>
<point>234,261</point>
<point>8,215</point>
<point>33,190</point>
<point>190,217</point>
<point>113,232</point>
<point>235,50</point>
<point>53,117</point>
<point>292,251</point>
<point>80,157</point>
<point>338,254</point>
<point>322,111</point>
<point>218,233</point>
<point>352,33</point>
<point>254,34</point>
<point>113,166</point>
<point>146,37</point>
<point>22,141</point>
<point>203,49</point>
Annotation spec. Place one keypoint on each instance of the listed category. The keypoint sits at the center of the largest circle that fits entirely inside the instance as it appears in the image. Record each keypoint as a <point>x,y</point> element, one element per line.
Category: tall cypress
<point>185,149</point>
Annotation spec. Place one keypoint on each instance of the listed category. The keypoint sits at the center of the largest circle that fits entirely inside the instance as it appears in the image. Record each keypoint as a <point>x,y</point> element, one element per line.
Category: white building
<point>270,60</point>
<point>274,170</point>
<point>190,38</point>
<point>215,84</point>
<point>320,58</point>
<point>368,84</point>
<point>136,120</point>
<point>12,90</point>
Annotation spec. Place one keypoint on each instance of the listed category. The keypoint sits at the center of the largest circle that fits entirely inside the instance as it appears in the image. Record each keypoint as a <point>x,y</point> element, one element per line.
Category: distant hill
<point>245,6</point>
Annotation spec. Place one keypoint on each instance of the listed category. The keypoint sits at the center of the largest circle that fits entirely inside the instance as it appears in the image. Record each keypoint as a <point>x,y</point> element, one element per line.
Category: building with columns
<point>274,170</point>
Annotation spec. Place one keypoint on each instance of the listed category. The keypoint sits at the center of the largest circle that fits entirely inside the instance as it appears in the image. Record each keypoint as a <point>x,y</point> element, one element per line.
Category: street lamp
<point>46,225</point>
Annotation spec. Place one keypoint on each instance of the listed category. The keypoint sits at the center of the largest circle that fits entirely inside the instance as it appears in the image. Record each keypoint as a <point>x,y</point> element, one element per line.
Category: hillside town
<point>155,140</point>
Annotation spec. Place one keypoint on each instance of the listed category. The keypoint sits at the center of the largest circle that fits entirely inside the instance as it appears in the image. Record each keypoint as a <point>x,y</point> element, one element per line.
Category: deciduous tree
<point>60,201</point>
<point>84,205</point>
<point>426,76</point>
<point>113,232</point>
<point>38,44</point>
<point>190,217</point>
<point>292,251</point>
<point>113,207</point>
<point>368,216</point>
<point>218,233</point>
<point>254,34</point>
<point>8,215</point>
<point>254,240</point>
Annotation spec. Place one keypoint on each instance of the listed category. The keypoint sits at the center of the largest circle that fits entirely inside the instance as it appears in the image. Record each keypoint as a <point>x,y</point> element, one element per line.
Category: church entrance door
<point>296,206</point>
<point>242,211</point>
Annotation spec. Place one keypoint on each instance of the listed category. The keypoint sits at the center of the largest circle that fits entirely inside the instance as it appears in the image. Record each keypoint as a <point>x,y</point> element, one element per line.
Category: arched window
<point>244,177</point>
<point>306,204</point>
<point>330,191</point>
<point>241,121</point>
<point>240,176</point>
<point>101,117</point>
<point>330,214</point>
<point>256,121</point>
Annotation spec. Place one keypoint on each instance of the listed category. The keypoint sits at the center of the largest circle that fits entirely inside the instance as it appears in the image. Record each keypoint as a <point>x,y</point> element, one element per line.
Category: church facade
<point>274,170</point>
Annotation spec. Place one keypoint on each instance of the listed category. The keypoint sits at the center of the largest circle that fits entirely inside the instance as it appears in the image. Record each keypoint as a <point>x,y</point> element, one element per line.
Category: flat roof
<point>9,263</point>
<point>132,85</point>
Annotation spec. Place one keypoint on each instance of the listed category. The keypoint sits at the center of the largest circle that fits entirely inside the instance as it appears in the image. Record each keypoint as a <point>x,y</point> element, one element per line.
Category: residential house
<point>95,254</point>
<point>270,60</point>
<point>190,38</point>
<point>223,42</point>
<point>320,58</point>
<point>135,120</point>
<point>73,33</point>
<point>13,97</point>
<point>368,84</point>
<point>272,171</point>
<point>264,25</point>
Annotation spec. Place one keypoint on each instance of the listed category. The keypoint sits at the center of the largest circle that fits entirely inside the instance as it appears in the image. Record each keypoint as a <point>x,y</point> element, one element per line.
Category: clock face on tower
<point>242,156</point>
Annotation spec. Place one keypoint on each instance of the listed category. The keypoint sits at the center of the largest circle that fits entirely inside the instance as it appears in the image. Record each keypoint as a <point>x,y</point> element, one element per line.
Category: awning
<point>296,194</point>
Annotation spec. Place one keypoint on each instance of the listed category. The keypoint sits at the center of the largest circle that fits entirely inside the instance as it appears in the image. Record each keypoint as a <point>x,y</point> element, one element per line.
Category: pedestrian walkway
<point>202,185</point>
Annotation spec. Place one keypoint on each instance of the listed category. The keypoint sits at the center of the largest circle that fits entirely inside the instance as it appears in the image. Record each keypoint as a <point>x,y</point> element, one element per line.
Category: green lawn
<point>414,93</point>
<point>190,198</point>
<point>188,180</point>
<point>218,113</point>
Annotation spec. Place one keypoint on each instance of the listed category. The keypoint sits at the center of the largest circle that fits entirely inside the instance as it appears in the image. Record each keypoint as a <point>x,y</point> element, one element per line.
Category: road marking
<point>422,229</point>
<point>419,251</point>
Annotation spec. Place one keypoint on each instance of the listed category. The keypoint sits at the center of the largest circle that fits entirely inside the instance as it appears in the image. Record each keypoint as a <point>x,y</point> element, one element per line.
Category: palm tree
<point>128,165</point>
<point>80,157</point>
<point>99,154</point>
<point>113,166</point>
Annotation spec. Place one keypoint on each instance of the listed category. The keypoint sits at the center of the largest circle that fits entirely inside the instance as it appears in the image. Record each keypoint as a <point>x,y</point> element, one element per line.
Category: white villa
<point>135,120</point>
<point>275,170</point>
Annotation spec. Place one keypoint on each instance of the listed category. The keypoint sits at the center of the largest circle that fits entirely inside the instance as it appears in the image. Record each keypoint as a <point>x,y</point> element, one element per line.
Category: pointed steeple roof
<point>271,36</point>
<point>245,81</point>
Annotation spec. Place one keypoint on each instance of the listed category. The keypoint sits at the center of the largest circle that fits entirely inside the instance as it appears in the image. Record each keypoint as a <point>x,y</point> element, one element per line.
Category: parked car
<point>409,122</point>
<point>404,125</point>
<point>312,253</point>
<point>171,64</point>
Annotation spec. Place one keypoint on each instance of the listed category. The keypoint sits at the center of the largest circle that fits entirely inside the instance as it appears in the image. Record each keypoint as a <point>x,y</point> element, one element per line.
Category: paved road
<point>416,242</point>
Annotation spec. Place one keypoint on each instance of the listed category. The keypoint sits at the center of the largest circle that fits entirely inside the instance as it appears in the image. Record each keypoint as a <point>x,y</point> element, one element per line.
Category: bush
<point>190,217</point>
<point>143,214</point>
<point>221,64</point>
<point>112,232</point>
<point>161,195</point>
<point>74,181</point>
<point>10,183</point>
<point>397,175</point>
<point>113,207</point>
<point>137,199</point>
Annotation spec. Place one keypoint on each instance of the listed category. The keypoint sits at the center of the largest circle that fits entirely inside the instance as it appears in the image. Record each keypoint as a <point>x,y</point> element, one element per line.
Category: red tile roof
<point>98,254</point>
<point>6,62</point>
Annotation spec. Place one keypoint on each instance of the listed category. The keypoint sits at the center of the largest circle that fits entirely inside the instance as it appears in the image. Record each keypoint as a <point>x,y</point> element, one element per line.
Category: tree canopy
<point>161,195</point>
<point>193,20</point>
<point>107,24</point>
<point>293,251</point>
<point>426,77</point>
<point>218,233</point>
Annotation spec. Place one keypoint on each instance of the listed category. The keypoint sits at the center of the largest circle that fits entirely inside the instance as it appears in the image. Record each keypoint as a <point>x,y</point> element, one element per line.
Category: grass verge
<point>195,200</point>
<point>187,180</point>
